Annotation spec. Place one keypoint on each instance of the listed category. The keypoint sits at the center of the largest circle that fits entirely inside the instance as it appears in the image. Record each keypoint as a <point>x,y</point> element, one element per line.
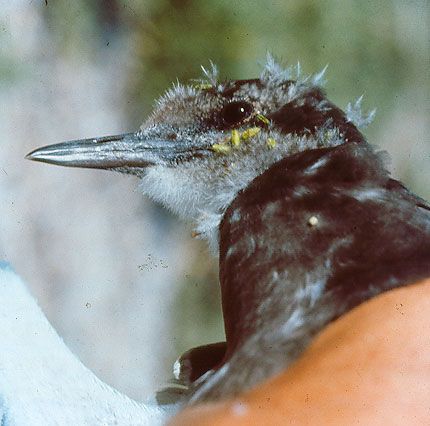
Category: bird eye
<point>235,112</point>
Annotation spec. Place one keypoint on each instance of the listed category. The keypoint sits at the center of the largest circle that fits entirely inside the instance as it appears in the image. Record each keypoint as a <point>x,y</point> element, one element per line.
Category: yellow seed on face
<point>263,119</point>
<point>220,148</point>
<point>250,133</point>
<point>235,138</point>
<point>271,143</point>
<point>203,86</point>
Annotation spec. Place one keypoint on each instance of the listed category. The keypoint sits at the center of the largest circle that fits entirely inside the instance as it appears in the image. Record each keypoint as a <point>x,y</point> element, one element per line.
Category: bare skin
<point>369,367</point>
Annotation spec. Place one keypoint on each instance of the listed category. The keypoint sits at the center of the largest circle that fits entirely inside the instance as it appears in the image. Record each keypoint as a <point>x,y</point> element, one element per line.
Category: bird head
<point>205,142</point>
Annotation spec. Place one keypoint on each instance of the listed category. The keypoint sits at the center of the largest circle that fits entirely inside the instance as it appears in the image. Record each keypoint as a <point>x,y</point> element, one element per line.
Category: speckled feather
<point>284,277</point>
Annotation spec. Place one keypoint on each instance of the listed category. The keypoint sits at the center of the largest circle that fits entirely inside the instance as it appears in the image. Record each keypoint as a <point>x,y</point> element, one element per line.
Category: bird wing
<point>317,234</point>
<point>371,366</point>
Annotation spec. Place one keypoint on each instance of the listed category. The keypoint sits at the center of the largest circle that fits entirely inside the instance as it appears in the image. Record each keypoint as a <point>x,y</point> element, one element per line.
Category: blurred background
<point>120,279</point>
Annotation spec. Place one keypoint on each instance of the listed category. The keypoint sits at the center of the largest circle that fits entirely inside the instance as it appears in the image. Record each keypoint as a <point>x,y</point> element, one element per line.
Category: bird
<point>206,141</point>
<point>301,210</point>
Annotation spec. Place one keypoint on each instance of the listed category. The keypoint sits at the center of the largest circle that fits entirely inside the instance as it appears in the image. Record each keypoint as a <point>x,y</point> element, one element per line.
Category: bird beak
<point>110,152</point>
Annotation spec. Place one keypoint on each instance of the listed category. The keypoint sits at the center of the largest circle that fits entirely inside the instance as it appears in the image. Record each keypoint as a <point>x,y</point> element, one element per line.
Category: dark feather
<point>310,112</point>
<point>285,276</point>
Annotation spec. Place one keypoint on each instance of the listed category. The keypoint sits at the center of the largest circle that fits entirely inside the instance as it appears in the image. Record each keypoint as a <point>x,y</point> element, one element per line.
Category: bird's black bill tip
<point>107,152</point>
<point>129,150</point>
<point>38,155</point>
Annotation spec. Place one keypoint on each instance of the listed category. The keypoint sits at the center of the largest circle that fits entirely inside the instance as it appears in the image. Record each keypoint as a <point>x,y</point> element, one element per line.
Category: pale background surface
<point>120,279</point>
